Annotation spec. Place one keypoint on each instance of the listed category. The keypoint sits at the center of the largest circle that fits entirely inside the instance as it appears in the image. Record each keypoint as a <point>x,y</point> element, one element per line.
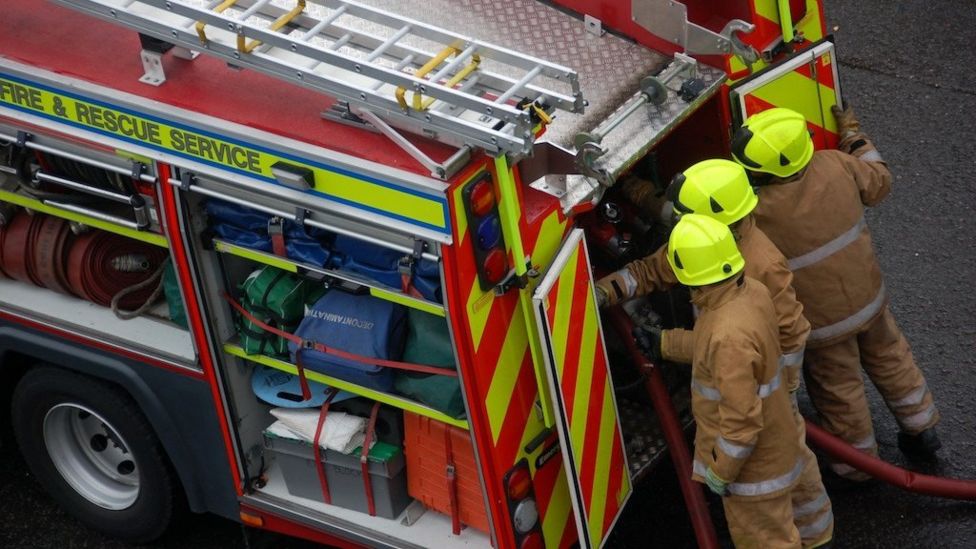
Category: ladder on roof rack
<point>412,75</point>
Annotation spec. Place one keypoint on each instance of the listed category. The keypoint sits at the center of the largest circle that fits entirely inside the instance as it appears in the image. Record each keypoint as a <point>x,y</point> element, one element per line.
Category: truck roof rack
<point>412,75</point>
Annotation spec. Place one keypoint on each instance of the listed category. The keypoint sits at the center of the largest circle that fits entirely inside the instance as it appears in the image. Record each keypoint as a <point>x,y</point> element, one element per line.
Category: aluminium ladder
<point>414,76</point>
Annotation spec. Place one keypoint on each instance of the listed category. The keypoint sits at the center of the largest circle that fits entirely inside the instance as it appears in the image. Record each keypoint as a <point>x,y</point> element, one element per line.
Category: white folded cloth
<point>341,432</point>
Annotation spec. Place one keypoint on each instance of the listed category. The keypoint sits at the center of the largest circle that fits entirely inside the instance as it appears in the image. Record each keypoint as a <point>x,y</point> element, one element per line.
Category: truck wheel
<point>92,449</point>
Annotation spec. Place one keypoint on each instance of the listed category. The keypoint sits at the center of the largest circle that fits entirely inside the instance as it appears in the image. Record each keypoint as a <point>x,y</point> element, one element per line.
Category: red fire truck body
<point>501,166</point>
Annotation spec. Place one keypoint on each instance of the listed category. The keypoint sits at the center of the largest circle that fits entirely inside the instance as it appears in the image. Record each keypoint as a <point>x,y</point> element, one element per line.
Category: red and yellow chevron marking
<point>810,95</point>
<point>765,15</point>
<point>598,469</point>
<point>498,372</point>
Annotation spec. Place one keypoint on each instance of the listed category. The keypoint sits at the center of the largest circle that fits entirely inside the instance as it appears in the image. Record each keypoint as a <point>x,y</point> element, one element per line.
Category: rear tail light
<point>519,484</point>
<point>481,207</point>
<point>522,507</point>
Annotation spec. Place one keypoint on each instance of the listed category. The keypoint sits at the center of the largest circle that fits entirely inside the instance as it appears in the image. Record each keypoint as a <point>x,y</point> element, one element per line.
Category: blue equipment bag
<point>247,227</point>
<point>359,324</point>
<point>382,264</point>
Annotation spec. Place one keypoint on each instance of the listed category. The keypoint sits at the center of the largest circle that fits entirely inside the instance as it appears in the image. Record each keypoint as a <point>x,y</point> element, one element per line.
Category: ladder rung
<point>393,39</point>
<point>455,63</point>
<point>367,68</point>
<point>253,9</point>
<point>337,13</point>
<point>503,98</point>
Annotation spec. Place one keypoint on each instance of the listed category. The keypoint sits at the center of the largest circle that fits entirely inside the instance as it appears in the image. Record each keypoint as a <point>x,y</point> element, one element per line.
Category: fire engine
<point>325,266</point>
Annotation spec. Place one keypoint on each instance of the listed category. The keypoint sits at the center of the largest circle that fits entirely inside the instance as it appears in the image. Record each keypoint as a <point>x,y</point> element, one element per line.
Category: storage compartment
<point>81,249</point>
<point>387,475</point>
<point>322,296</point>
<point>430,445</point>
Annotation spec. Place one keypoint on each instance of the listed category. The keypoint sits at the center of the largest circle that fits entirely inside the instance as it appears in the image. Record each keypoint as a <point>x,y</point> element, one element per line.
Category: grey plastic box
<point>344,474</point>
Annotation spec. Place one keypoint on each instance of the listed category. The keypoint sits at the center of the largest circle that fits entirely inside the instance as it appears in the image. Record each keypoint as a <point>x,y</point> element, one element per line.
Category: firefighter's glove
<point>715,483</point>
<point>648,340</point>
<point>847,123</point>
<point>602,299</point>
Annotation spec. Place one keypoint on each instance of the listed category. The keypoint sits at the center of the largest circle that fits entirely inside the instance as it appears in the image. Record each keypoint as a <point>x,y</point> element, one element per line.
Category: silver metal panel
<point>637,135</point>
<point>609,67</point>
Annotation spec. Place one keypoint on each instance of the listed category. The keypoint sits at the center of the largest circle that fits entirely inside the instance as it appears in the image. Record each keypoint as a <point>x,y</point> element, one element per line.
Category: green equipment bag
<point>275,297</point>
<point>174,300</point>
<point>429,342</point>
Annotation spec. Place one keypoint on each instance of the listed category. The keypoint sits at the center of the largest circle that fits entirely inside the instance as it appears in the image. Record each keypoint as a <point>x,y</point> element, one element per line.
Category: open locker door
<point>582,392</point>
<point>807,83</point>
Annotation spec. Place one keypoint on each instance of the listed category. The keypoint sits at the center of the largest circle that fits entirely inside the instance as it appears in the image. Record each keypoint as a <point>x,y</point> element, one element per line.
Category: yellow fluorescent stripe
<point>624,485</point>
<point>38,206</point>
<point>385,398</point>
<point>554,523</point>
<point>290,266</point>
<point>550,237</point>
<point>601,477</point>
<point>408,301</point>
<point>584,380</point>
<point>767,9</point>
<point>381,198</point>
<point>253,255</point>
<point>506,373</point>
<point>564,307</point>
<point>810,24</point>
<point>460,216</point>
<point>828,98</point>
<point>813,103</point>
<point>538,362</point>
<point>795,91</point>
<point>478,311</point>
<point>532,429</point>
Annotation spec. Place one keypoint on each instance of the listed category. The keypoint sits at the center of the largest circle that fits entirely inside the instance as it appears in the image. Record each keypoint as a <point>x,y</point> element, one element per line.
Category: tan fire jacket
<point>764,262</point>
<point>746,432</point>
<point>817,221</point>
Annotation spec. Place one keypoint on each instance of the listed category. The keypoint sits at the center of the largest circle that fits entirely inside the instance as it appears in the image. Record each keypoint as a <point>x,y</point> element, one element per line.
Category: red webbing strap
<point>322,348</point>
<point>406,285</point>
<point>364,459</point>
<point>317,448</point>
<point>277,233</point>
<point>302,380</point>
<point>451,476</point>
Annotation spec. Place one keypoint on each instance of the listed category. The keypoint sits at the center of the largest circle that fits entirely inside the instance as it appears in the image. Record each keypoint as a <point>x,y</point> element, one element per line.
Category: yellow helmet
<point>717,188</point>
<point>775,141</point>
<point>702,251</point>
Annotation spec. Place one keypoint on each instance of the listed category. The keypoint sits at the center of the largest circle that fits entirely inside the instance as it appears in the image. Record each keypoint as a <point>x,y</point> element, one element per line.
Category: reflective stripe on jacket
<point>746,432</point>
<point>817,221</point>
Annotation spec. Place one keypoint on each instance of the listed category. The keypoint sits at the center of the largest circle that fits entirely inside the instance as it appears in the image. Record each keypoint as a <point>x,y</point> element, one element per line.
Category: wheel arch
<point>22,349</point>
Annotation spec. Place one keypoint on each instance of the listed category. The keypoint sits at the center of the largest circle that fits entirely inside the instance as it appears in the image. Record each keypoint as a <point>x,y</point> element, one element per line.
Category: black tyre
<point>92,449</point>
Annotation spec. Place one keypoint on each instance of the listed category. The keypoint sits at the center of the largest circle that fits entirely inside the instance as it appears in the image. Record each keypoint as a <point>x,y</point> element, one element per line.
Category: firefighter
<point>746,443</point>
<point>812,207</point>
<point>720,189</point>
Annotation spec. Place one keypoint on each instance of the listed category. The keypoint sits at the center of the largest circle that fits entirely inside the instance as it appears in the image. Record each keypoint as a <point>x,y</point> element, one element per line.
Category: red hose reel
<point>42,250</point>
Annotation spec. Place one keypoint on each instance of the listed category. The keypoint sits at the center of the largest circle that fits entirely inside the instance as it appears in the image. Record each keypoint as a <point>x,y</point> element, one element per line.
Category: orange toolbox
<point>426,444</point>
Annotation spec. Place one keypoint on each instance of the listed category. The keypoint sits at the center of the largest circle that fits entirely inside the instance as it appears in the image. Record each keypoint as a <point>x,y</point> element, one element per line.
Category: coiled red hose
<point>93,276</point>
<point>884,471</point>
<point>701,521</point>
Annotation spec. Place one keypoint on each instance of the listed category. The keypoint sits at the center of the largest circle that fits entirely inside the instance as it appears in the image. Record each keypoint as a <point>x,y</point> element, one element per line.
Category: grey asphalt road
<point>909,68</point>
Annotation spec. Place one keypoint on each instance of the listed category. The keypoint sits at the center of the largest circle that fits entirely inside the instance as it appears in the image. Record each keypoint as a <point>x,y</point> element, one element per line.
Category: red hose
<point>674,435</point>
<point>92,275</point>
<point>882,470</point>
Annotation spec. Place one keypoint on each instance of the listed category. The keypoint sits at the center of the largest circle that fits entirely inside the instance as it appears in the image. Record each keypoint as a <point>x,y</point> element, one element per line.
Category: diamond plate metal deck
<point>609,67</point>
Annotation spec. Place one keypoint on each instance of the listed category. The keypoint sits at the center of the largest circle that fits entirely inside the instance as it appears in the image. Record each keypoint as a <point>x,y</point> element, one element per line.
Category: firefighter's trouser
<point>761,523</point>
<point>836,386</point>
<point>812,512</point>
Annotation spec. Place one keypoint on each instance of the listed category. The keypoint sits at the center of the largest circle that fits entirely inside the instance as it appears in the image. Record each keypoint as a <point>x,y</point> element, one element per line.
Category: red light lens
<point>519,484</point>
<point>482,198</point>
<point>495,266</point>
<point>532,541</point>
